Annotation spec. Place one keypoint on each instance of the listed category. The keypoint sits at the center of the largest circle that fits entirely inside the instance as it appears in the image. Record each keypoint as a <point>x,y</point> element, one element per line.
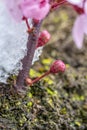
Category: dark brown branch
<point>27,61</point>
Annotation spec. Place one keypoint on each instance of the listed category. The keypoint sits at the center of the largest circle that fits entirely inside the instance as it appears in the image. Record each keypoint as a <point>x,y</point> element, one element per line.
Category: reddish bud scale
<point>43,38</point>
<point>57,66</point>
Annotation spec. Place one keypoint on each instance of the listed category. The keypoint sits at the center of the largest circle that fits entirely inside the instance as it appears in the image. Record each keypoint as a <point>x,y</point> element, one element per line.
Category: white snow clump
<point>13,40</point>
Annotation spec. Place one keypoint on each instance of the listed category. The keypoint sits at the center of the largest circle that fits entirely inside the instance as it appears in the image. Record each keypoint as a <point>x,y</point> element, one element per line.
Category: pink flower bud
<point>57,66</point>
<point>43,38</point>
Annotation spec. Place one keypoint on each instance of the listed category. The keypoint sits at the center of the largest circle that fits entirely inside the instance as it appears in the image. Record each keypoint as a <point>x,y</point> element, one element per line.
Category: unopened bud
<point>44,37</point>
<point>57,66</point>
<point>28,81</point>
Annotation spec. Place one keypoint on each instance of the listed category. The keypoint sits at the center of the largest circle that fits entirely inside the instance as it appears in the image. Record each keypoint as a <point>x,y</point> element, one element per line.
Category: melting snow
<point>13,40</point>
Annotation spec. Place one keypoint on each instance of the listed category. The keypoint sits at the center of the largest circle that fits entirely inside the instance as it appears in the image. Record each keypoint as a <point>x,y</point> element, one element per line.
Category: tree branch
<point>27,60</point>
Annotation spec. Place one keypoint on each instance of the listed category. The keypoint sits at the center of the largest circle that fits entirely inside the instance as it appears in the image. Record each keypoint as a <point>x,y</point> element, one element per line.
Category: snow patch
<point>13,40</point>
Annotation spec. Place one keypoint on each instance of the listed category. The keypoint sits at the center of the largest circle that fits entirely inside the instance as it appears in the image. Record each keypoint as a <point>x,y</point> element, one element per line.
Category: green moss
<point>43,108</point>
<point>63,111</point>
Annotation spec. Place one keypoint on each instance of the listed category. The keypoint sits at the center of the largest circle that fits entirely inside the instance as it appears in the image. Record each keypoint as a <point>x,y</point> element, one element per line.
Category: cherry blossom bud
<point>43,38</point>
<point>57,66</point>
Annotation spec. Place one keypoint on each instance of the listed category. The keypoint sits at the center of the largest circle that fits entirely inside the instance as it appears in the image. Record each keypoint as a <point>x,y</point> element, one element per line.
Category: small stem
<point>26,21</point>
<point>37,79</point>
<point>28,26</point>
<point>30,82</point>
<point>55,5</point>
<point>78,9</point>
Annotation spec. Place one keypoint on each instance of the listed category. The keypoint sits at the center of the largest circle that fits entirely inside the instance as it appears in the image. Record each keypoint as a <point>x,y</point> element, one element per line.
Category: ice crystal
<point>37,54</point>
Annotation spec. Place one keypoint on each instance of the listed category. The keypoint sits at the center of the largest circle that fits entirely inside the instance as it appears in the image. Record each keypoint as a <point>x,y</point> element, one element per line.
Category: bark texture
<point>27,61</point>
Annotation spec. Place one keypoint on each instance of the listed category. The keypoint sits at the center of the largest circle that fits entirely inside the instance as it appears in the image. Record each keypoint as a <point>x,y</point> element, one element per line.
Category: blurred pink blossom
<point>79,29</point>
<point>13,7</point>
<point>80,26</point>
<point>34,9</point>
<point>74,1</point>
